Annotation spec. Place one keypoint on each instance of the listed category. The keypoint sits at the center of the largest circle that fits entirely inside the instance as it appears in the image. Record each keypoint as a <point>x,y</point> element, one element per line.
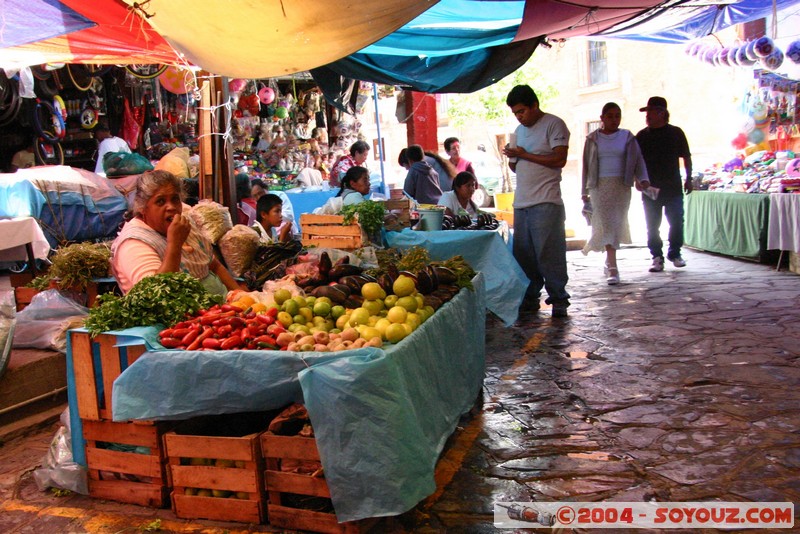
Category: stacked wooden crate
<point>287,490</point>
<point>216,477</point>
<point>401,207</point>
<point>126,460</point>
<point>329,231</point>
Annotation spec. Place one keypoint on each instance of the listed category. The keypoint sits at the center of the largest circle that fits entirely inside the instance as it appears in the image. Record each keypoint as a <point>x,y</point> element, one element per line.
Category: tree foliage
<point>488,105</point>
<point>487,108</point>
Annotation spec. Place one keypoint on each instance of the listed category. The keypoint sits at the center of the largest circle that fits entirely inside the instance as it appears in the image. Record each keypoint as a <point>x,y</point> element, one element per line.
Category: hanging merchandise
<point>89,118</point>
<point>266,95</point>
<point>131,128</point>
<point>793,51</point>
<point>177,80</point>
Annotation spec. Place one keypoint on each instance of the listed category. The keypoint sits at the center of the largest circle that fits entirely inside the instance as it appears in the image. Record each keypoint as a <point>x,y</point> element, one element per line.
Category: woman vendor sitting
<point>459,200</point>
<point>160,239</point>
<point>355,184</point>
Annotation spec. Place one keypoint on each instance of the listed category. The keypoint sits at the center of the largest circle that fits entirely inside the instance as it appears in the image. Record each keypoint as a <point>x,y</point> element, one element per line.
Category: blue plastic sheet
<point>381,417</point>
<point>381,422</point>
<point>308,201</point>
<point>19,197</point>
<point>486,252</point>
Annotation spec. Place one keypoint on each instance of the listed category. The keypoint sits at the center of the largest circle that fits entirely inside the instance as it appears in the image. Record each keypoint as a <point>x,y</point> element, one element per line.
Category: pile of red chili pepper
<point>224,327</point>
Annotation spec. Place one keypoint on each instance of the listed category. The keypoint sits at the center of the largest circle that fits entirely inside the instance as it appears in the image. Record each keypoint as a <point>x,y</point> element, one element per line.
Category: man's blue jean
<point>672,207</point>
<point>540,248</point>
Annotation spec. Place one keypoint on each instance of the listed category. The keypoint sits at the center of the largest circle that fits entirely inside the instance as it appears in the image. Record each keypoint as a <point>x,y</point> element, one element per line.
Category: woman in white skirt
<point>612,163</point>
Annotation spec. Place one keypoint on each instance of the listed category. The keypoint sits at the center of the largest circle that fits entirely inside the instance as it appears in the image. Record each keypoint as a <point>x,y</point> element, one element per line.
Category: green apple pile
<point>317,324</point>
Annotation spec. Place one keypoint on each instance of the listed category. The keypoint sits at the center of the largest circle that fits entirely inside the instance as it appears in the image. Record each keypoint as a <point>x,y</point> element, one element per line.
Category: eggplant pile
<point>342,283</point>
<point>485,221</point>
<point>267,262</point>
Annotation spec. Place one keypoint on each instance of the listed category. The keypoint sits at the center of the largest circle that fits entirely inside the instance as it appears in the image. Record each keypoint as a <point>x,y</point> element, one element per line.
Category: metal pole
<point>380,141</point>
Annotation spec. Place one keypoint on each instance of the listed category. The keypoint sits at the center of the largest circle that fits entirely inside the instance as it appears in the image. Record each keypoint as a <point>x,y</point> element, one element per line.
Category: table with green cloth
<point>734,224</point>
<point>381,417</point>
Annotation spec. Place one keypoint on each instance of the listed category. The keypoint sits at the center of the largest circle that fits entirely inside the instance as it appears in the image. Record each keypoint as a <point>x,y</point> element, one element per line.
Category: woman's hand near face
<point>178,230</point>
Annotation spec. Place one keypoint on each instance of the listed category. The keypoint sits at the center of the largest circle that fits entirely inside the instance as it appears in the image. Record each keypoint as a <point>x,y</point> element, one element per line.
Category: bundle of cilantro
<point>161,299</point>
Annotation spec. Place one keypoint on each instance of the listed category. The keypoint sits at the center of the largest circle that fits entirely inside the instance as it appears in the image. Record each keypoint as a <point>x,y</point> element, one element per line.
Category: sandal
<point>612,276</point>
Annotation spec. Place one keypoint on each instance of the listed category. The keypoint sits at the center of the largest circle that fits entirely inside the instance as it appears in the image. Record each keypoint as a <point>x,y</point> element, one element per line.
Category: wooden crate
<point>329,231</point>
<point>96,364</point>
<point>137,477</point>
<point>23,296</point>
<point>400,207</point>
<point>238,482</point>
<point>281,485</point>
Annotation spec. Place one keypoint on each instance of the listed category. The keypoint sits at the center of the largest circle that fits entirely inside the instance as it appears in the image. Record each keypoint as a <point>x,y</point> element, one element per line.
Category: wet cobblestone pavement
<point>672,386</point>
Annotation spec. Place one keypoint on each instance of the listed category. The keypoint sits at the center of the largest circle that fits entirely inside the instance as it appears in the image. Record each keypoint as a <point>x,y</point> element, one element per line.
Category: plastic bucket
<point>430,220</point>
<point>504,201</point>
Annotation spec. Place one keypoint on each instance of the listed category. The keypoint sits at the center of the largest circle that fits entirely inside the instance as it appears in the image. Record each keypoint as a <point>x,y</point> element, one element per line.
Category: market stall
<point>486,251</point>
<point>381,416</point>
<point>727,223</point>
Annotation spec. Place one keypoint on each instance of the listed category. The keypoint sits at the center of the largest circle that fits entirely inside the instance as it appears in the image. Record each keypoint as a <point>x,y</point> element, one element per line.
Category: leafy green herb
<point>163,298</point>
<point>414,259</point>
<point>76,265</point>
<point>58,492</point>
<point>370,215</point>
<point>40,282</point>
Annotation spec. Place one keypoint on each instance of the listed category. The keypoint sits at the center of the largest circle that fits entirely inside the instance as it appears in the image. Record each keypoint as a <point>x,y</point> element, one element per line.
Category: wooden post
<point>205,147</point>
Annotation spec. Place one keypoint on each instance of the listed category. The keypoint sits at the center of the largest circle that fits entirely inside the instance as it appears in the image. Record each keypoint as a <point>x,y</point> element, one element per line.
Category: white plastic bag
<point>8,321</point>
<point>58,469</point>
<point>44,322</point>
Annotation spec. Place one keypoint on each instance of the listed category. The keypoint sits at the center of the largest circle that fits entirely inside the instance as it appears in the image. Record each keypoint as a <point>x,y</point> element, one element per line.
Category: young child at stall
<point>270,225</point>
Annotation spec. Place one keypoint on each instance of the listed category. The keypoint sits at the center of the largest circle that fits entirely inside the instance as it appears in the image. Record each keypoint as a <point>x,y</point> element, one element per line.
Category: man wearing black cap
<point>662,145</point>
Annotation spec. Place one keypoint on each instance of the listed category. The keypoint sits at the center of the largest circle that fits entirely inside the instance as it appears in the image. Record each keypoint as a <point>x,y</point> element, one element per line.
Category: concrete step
<point>33,389</point>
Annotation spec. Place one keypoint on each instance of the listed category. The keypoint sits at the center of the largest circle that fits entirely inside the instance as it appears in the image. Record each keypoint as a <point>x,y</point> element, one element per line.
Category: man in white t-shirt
<point>108,143</point>
<point>540,245</point>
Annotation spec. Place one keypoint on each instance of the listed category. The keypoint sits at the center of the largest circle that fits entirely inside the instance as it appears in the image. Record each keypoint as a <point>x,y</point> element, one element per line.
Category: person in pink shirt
<point>159,238</point>
<point>453,148</point>
<point>357,157</point>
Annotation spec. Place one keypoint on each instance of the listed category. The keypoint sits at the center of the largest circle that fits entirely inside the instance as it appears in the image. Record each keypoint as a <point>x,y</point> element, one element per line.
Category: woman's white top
<point>611,154</point>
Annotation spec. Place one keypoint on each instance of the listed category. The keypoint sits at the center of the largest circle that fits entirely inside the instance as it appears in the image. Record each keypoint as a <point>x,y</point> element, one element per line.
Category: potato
<point>350,334</point>
<point>284,338</point>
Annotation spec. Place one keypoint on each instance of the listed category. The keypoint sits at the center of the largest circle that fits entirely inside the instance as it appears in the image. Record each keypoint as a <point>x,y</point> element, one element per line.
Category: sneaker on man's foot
<point>677,261</point>
<point>560,309</point>
<point>658,265</point>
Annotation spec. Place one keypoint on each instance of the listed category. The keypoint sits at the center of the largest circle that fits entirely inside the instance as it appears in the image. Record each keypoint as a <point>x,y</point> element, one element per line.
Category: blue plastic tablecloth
<point>308,201</point>
<point>19,197</point>
<point>381,416</point>
<point>486,252</point>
